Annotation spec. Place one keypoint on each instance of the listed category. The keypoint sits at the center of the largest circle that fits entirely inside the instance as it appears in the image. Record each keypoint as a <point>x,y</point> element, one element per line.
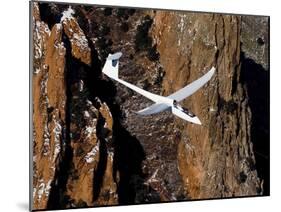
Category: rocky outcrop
<point>217,159</point>
<point>48,106</point>
<point>91,173</point>
<point>69,131</point>
<point>79,44</point>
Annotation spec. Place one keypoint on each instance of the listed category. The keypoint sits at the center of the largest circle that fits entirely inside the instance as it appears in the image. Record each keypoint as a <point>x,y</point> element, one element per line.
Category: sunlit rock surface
<point>215,160</point>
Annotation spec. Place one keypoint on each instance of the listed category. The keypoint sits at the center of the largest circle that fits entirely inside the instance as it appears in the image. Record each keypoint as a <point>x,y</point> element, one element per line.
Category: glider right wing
<point>192,87</point>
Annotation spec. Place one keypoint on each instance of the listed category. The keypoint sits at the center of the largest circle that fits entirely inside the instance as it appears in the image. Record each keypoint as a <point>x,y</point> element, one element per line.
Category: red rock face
<point>51,123</point>
<point>90,149</point>
<point>215,160</point>
<point>42,154</point>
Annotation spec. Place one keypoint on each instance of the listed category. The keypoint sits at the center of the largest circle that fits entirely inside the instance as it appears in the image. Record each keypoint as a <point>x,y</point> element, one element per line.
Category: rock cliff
<point>89,147</point>
<point>70,133</point>
<point>217,159</point>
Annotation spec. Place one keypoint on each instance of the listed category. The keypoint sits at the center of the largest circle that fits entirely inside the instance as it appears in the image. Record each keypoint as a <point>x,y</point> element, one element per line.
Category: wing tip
<point>212,70</point>
<point>136,112</point>
<point>141,113</point>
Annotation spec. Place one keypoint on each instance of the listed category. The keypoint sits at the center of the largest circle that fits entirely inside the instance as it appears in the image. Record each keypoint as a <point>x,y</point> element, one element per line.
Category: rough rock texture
<point>91,149</point>
<point>70,134</point>
<point>255,76</point>
<point>217,159</point>
<point>255,39</point>
<point>79,44</point>
<point>48,106</point>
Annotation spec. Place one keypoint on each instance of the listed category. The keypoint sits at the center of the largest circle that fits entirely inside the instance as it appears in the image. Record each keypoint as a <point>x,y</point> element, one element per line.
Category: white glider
<point>161,103</point>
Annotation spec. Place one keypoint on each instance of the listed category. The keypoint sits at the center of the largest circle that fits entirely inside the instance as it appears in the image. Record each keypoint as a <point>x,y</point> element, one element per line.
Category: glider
<point>161,103</point>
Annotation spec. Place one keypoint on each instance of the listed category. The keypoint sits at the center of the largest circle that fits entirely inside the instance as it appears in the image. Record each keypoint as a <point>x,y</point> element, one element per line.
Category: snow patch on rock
<point>57,134</point>
<point>67,14</point>
<point>90,157</point>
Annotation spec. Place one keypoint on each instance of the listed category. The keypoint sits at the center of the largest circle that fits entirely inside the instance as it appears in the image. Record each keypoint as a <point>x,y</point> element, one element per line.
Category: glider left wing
<point>155,108</point>
<point>153,97</point>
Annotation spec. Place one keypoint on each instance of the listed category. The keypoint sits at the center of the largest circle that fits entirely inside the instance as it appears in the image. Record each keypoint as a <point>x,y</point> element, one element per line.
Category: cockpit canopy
<point>185,110</point>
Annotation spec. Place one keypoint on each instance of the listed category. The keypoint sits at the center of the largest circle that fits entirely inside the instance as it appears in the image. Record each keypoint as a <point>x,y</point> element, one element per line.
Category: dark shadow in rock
<point>256,79</point>
<point>100,171</point>
<point>51,13</point>
<point>128,157</point>
<point>99,86</point>
<point>128,152</point>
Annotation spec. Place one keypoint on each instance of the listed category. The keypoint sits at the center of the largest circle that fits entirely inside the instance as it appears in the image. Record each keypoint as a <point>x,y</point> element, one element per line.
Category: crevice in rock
<point>256,80</point>
<point>235,80</point>
<point>128,157</point>
<point>51,13</point>
<point>99,173</point>
<point>128,152</point>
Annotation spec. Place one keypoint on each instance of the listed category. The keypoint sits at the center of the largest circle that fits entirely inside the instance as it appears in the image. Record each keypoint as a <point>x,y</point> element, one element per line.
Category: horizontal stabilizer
<point>114,56</point>
<point>111,66</point>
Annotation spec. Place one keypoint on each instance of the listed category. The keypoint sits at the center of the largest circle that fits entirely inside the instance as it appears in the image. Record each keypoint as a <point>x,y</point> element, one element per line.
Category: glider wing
<point>155,108</point>
<point>192,87</point>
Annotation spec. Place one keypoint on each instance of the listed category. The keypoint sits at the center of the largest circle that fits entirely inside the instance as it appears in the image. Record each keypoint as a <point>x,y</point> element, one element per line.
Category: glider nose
<point>196,120</point>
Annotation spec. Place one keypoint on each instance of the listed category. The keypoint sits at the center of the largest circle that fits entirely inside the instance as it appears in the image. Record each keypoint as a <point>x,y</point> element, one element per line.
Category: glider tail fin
<point>111,65</point>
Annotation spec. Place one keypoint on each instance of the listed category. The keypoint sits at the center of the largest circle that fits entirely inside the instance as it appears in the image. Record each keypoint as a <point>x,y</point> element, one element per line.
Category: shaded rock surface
<point>255,77</point>
<point>255,39</point>
<point>91,149</point>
